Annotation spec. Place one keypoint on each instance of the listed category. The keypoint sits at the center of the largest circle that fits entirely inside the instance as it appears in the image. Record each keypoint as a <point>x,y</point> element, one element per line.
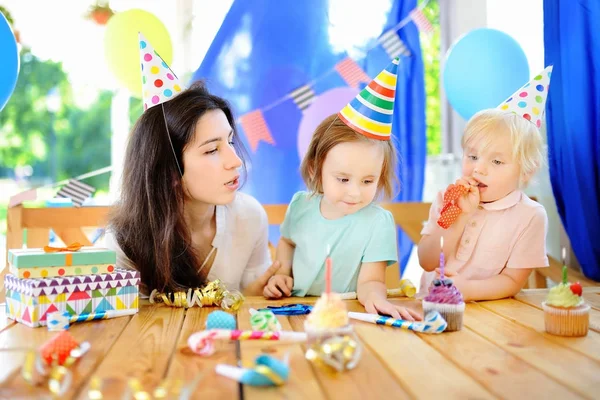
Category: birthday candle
<point>564,268</point>
<point>328,271</point>
<point>442,261</point>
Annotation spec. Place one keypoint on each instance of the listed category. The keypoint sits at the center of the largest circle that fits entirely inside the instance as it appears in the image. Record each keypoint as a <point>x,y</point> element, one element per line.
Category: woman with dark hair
<point>181,221</point>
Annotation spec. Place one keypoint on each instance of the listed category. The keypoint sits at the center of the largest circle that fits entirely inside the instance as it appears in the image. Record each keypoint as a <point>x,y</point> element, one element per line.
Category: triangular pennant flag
<point>393,45</point>
<point>421,21</point>
<point>352,73</point>
<point>370,112</point>
<point>303,96</point>
<point>77,191</point>
<point>256,129</point>
<point>530,100</point>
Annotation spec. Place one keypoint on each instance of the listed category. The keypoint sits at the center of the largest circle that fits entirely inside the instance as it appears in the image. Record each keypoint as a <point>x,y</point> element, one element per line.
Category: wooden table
<point>502,352</point>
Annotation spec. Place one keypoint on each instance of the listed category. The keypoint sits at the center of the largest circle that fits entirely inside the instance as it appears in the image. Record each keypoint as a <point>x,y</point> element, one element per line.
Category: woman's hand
<point>256,287</point>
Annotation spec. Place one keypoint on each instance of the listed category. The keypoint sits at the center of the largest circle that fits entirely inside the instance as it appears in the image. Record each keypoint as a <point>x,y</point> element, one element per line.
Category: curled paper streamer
<point>432,323</point>
<point>61,320</point>
<point>169,388</point>
<point>214,293</point>
<point>337,348</point>
<point>268,371</point>
<point>203,342</point>
<point>451,211</point>
<point>264,321</point>
<point>405,289</point>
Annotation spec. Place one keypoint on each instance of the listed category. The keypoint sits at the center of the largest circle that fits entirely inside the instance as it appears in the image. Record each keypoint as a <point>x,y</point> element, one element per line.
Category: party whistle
<point>202,342</point>
<point>268,371</point>
<point>264,320</point>
<point>405,289</point>
<point>61,320</point>
<point>433,322</point>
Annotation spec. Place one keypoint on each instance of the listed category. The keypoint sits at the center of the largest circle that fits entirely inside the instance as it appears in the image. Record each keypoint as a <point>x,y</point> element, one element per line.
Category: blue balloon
<point>9,68</point>
<point>482,69</point>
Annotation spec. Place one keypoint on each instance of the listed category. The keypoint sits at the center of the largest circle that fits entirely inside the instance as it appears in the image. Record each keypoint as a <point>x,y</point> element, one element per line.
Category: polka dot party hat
<point>370,113</point>
<point>530,101</point>
<point>159,82</point>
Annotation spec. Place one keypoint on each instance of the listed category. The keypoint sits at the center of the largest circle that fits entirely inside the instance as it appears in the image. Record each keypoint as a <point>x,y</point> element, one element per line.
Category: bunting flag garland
<point>393,45</point>
<point>352,73</point>
<point>254,124</point>
<point>256,129</point>
<point>77,191</point>
<point>303,96</point>
<point>421,21</point>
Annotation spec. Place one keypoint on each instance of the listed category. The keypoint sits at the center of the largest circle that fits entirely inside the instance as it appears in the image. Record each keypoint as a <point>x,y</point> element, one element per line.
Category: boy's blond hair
<point>333,131</point>
<point>525,137</point>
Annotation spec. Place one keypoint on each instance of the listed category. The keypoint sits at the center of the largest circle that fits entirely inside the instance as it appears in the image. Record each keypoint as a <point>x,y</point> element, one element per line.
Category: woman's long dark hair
<point>148,221</point>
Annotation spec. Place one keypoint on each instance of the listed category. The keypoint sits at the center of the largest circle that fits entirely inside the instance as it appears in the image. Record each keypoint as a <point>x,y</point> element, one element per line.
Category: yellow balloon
<point>122,46</point>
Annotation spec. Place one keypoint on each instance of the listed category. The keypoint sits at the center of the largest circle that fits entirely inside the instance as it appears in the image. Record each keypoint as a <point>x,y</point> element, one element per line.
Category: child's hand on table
<point>278,286</point>
<point>376,305</point>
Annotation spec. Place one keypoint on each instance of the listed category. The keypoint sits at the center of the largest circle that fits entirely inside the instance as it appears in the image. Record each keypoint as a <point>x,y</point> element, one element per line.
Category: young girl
<point>348,164</point>
<point>500,233</point>
<point>181,220</point>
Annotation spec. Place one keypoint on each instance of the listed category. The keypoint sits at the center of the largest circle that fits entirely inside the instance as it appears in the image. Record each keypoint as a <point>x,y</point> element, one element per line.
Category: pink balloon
<point>323,106</point>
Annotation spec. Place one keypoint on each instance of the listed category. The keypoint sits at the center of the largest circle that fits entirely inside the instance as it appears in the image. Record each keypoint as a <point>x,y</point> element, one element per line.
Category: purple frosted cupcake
<point>445,298</point>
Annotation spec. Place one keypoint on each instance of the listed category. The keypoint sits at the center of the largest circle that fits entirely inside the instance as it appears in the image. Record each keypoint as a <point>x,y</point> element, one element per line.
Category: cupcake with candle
<point>565,311</point>
<point>445,298</point>
<point>331,338</point>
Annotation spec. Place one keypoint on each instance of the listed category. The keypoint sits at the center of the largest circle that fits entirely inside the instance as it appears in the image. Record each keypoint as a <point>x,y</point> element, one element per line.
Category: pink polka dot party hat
<point>159,82</point>
<point>530,100</point>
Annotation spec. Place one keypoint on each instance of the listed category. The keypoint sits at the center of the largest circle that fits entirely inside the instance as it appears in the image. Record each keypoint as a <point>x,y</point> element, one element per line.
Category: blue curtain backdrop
<point>265,49</point>
<point>572,45</point>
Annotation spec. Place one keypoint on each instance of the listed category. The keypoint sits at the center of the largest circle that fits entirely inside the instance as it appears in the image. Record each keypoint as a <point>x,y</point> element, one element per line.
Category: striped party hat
<point>530,100</point>
<point>370,113</point>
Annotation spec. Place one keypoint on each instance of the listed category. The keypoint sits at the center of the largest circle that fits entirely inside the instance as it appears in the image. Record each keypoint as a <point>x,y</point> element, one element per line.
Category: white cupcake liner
<point>572,321</point>
<point>452,313</point>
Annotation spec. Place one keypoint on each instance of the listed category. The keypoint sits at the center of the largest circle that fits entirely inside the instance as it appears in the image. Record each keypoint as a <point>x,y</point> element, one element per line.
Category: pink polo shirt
<point>507,233</point>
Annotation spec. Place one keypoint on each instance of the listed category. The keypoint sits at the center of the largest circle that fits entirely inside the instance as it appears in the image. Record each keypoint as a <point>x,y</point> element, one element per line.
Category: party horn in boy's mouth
<point>60,320</point>
<point>433,322</point>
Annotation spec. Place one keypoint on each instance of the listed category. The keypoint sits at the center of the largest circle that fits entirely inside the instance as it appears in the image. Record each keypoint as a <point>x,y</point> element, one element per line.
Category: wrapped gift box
<point>35,263</point>
<point>30,300</point>
<point>34,258</point>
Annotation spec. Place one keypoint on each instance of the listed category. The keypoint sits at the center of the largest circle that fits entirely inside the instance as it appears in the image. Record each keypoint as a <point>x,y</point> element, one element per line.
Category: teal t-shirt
<point>368,235</point>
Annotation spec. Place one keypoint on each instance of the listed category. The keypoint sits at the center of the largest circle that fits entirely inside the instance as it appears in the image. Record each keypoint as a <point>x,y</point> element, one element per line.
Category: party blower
<point>268,371</point>
<point>433,322</point>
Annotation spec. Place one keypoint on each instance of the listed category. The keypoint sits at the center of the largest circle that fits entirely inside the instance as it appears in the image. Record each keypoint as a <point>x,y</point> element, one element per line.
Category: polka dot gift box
<point>30,301</point>
<point>530,100</point>
<point>159,82</point>
<point>68,261</point>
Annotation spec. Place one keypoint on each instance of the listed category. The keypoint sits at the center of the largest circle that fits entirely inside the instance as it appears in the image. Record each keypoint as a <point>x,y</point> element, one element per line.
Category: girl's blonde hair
<point>333,131</point>
<point>527,146</point>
